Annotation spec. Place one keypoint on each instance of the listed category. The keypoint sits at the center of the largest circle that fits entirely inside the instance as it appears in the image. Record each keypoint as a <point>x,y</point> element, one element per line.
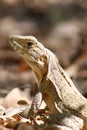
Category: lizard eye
<point>30,44</point>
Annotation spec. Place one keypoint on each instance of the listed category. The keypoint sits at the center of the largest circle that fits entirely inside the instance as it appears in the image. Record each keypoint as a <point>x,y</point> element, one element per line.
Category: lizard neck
<point>39,76</point>
<point>37,71</point>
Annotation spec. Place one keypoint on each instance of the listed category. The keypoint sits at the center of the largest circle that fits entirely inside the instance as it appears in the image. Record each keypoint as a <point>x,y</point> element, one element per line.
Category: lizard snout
<point>12,38</point>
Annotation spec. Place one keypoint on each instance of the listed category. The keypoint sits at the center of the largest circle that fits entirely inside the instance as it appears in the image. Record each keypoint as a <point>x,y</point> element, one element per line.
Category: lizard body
<point>55,86</point>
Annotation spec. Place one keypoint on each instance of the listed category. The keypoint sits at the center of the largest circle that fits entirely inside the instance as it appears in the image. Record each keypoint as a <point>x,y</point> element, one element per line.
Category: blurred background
<point>61,25</point>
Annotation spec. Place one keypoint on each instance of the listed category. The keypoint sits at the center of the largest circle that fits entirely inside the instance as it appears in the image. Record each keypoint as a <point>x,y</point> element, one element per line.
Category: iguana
<point>55,86</point>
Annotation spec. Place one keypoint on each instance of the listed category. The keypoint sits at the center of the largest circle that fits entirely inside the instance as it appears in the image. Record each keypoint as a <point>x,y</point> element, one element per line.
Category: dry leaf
<point>13,97</point>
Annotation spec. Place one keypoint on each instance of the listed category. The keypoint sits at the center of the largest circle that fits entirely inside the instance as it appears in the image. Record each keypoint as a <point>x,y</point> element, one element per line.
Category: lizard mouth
<point>19,48</point>
<point>17,45</point>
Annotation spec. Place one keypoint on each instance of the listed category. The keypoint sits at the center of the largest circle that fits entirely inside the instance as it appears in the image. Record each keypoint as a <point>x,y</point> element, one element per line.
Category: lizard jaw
<point>16,46</point>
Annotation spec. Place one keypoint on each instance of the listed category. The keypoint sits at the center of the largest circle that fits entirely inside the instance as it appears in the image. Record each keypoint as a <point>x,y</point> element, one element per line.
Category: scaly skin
<point>55,86</point>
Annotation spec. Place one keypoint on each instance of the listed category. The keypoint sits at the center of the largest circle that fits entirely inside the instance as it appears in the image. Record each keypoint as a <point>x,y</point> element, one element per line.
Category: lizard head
<point>32,51</point>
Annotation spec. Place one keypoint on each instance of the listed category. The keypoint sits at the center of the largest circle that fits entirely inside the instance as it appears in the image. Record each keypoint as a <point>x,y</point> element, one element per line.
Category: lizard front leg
<point>32,110</point>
